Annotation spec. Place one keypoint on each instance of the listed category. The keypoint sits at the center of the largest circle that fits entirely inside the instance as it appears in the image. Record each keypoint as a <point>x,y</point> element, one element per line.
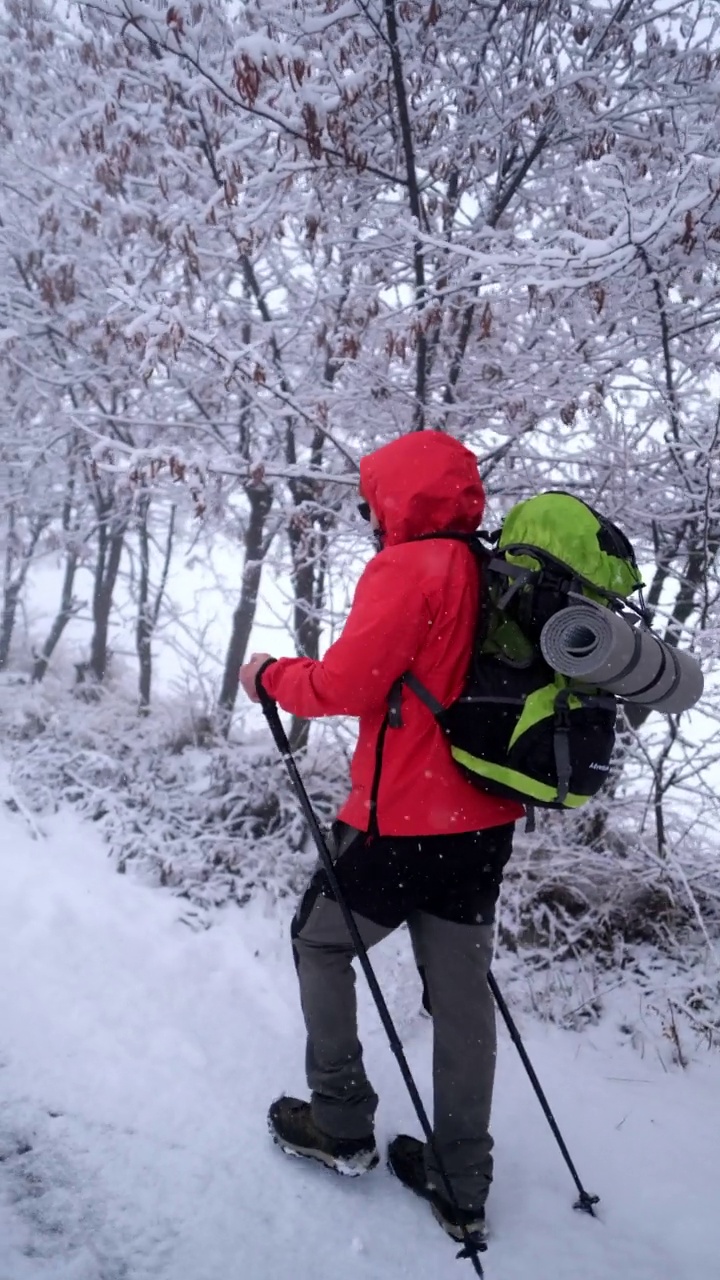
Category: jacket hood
<point>425,482</point>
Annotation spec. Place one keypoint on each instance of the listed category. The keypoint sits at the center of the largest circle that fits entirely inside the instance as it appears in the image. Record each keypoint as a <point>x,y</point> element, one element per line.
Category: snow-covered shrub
<point>213,820</point>
<point>217,822</point>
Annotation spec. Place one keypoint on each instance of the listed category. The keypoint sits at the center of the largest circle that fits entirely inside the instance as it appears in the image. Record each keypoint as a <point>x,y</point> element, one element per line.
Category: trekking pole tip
<point>586,1203</point>
<point>471,1251</point>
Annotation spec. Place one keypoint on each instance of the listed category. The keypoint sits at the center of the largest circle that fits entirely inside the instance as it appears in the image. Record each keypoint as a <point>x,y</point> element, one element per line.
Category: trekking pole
<point>585,1200</point>
<point>471,1247</point>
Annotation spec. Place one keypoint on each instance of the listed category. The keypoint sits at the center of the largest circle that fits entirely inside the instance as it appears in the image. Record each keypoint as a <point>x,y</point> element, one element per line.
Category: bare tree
<point>148,610</point>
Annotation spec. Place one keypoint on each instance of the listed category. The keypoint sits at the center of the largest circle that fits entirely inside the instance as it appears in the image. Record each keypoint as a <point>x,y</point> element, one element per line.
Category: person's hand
<point>249,672</point>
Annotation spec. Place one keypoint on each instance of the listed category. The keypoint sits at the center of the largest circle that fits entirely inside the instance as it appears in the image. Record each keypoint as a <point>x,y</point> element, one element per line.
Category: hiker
<point>414,843</point>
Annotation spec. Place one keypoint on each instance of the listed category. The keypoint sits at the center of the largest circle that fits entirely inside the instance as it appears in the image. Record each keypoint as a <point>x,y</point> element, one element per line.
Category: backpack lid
<point>574,534</point>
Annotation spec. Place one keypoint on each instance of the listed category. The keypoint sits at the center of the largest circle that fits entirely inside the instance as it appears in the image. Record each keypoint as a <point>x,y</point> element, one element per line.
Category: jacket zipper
<point>373,829</point>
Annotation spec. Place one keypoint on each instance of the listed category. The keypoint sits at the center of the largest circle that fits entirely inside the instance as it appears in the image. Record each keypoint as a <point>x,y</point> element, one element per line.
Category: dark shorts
<point>455,877</point>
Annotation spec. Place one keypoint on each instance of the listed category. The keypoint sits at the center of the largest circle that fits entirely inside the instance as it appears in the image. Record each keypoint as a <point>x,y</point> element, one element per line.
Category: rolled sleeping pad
<point>599,647</point>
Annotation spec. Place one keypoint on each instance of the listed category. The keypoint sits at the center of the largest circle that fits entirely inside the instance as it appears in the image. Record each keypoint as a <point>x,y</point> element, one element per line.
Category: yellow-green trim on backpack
<point>520,782</point>
<point>540,705</point>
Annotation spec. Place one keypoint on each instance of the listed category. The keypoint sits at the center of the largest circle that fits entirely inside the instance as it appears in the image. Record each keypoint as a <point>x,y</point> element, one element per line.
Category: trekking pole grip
<point>270,710</point>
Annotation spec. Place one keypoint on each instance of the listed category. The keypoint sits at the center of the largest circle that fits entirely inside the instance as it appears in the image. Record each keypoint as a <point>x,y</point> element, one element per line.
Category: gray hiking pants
<point>454,958</point>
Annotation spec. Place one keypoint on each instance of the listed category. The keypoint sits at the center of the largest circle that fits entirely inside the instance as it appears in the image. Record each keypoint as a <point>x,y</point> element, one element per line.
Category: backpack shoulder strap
<point>517,575</point>
<point>395,720</point>
<point>472,540</point>
<point>431,702</point>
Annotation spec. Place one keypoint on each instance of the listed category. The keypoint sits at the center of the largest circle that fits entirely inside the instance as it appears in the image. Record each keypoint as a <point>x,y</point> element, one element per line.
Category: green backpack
<point>520,729</point>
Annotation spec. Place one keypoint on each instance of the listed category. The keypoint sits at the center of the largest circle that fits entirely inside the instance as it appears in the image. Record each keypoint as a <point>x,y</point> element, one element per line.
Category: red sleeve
<point>383,633</point>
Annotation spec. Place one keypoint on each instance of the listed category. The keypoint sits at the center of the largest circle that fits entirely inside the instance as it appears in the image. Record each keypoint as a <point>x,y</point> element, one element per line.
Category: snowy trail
<point>138,1058</point>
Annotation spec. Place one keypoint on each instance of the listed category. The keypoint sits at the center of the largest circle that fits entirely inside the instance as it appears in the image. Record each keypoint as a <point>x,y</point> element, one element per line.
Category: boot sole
<point>348,1167</point>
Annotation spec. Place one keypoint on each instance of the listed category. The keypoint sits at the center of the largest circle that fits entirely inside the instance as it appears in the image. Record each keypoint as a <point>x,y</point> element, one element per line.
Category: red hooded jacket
<point>415,608</point>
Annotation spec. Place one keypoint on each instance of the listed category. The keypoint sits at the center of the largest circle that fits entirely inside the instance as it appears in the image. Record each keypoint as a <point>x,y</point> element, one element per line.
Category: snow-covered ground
<point>138,1057</point>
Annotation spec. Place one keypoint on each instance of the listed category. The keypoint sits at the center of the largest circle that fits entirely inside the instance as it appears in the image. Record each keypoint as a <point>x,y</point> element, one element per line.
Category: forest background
<point>240,245</point>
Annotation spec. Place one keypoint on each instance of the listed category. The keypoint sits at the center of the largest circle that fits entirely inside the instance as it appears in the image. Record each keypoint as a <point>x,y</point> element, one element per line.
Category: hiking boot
<point>293,1129</point>
<point>406,1159</point>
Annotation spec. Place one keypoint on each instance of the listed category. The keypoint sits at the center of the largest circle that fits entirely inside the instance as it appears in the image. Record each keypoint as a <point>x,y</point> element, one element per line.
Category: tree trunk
<point>68,607</point>
<point>260,497</point>
<point>144,627</point>
<point>11,595</point>
<point>310,552</point>
<point>111,539</point>
<point>149,612</point>
<point>14,578</point>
